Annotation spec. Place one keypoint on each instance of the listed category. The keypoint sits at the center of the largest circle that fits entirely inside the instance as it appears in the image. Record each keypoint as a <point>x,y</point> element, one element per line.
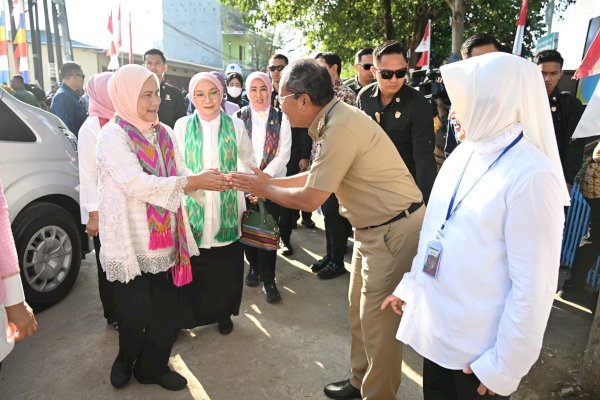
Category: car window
<point>12,129</point>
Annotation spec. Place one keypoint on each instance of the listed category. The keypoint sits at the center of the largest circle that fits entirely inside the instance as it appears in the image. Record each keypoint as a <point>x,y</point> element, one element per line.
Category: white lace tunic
<point>123,191</point>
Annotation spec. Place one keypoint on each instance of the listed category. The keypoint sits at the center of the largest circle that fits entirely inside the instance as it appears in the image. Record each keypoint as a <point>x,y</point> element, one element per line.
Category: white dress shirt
<point>210,159</point>
<point>277,167</point>
<point>489,305</point>
<point>88,173</point>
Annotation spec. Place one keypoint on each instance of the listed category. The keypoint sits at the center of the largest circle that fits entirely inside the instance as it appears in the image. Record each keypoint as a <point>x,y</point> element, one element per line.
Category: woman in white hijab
<point>476,302</point>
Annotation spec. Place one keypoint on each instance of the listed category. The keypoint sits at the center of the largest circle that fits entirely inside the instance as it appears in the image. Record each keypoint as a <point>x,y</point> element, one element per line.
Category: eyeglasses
<point>366,66</point>
<point>387,74</point>
<point>211,95</point>
<point>274,68</point>
<point>281,99</point>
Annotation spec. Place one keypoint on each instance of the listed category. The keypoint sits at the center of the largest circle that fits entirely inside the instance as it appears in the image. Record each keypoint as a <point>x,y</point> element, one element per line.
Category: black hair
<point>367,51</point>
<point>389,47</point>
<point>331,59</point>
<point>19,78</point>
<point>279,56</point>
<point>235,75</point>
<point>156,52</point>
<point>481,39</point>
<point>70,68</point>
<point>548,56</point>
<point>308,77</point>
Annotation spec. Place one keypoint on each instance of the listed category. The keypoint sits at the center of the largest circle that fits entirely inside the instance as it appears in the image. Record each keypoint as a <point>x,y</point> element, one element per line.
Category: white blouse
<point>489,304</point>
<point>88,173</point>
<point>123,191</point>
<point>277,167</point>
<point>210,159</point>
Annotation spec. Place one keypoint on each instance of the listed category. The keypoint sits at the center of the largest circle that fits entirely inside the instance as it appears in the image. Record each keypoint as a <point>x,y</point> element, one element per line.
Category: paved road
<point>283,351</point>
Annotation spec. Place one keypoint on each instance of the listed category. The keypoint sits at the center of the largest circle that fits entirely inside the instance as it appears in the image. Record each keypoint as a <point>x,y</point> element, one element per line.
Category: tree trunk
<point>387,17</point>
<point>590,377</point>
<point>458,24</point>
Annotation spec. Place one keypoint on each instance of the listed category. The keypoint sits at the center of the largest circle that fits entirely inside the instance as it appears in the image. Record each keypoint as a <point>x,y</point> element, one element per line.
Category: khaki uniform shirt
<point>356,160</point>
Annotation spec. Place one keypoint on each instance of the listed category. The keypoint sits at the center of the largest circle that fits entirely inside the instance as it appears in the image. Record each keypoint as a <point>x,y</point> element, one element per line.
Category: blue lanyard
<point>451,210</point>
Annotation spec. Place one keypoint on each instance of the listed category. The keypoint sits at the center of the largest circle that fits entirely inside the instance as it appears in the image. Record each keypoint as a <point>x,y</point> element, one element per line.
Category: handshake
<point>215,180</point>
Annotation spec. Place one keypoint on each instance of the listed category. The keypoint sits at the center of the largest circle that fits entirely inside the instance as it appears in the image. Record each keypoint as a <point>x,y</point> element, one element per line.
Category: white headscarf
<point>496,91</point>
<point>589,124</point>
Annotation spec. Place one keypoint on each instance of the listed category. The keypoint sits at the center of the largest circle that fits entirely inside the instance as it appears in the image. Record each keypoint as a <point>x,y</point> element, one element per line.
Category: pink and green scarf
<point>272,133</point>
<point>159,219</point>
<point>227,148</point>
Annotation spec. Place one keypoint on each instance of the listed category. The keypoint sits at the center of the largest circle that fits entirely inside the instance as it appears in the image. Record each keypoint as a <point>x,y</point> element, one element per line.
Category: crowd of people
<point>461,265</point>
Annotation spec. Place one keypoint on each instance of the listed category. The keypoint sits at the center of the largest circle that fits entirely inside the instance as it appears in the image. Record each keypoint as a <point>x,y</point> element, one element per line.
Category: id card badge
<point>432,258</point>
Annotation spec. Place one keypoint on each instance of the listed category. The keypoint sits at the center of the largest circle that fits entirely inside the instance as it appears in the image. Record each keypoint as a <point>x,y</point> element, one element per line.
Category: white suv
<point>38,166</point>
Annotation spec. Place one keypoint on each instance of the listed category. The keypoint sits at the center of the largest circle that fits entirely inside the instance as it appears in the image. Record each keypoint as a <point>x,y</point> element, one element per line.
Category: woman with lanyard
<point>479,294</point>
<point>100,112</point>
<point>209,138</point>
<point>146,238</point>
<point>235,89</point>
<point>271,137</point>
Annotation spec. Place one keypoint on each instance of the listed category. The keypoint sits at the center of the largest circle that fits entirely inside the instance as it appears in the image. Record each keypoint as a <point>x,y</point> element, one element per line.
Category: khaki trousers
<point>381,257</point>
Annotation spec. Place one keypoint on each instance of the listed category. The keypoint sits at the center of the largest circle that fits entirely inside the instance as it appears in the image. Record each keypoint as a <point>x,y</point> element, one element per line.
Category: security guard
<point>172,104</point>
<point>566,111</point>
<point>380,199</point>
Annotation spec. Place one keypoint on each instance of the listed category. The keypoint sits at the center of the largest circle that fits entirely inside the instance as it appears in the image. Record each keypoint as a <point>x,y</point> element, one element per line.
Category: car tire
<point>49,249</point>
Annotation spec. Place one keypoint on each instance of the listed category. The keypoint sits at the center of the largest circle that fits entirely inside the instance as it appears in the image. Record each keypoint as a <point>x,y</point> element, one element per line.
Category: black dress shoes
<point>120,373</point>
<point>309,223</point>
<point>319,265</point>
<point>225,326</point>
<point>270,289</point>
<point>286,248</point>
<point>331,271</point>
<point>252,277</point>
<point>170,381</point>
<point>342,391</point>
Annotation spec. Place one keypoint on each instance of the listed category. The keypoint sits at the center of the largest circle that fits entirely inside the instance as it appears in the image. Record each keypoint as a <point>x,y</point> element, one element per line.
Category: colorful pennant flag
<point>518,45</point>
<point>20,41</point>
<point>4,71</point>
<point>425,47</point>
<point>591,62</point>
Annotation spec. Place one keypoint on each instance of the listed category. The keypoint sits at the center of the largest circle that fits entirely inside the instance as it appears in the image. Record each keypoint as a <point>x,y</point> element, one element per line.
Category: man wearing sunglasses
<point>403,113</point>
<point>299,156</point>
<point>362,66</point>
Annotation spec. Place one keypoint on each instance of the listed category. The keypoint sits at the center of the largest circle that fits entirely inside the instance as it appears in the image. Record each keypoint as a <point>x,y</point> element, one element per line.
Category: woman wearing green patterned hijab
<point>209,138</point>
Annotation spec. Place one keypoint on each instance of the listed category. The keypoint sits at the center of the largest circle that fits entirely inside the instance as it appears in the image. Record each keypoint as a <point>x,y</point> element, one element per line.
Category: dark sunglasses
<point>387,74</point>
<point>366,67</point>
<point>274,68</point>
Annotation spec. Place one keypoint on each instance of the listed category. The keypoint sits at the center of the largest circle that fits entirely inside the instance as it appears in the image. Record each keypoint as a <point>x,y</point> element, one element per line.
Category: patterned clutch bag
<point>259,229</point>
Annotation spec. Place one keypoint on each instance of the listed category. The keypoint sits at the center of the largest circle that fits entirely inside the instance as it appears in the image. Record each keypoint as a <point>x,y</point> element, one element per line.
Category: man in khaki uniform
<point>356,160</point>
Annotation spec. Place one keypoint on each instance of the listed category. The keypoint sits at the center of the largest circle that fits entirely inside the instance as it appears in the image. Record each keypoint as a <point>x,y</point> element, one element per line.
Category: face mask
<point>234,91</point>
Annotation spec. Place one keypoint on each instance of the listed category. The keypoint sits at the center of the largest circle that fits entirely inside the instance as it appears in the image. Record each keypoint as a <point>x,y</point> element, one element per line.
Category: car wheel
<point>49,249</point>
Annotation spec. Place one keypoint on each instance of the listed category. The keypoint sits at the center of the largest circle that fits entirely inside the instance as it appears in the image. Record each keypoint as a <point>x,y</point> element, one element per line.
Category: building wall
<point>192,31</point>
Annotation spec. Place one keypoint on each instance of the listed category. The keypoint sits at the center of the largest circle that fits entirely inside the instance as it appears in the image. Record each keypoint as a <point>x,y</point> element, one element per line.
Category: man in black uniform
<point>403,113</point>
<point>299,156</point>
<point>172,104</point>
<point>566,111</point>
<point>363,61</point>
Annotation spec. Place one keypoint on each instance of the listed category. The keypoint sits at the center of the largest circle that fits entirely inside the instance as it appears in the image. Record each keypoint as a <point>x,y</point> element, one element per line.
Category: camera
<point>433,86</point>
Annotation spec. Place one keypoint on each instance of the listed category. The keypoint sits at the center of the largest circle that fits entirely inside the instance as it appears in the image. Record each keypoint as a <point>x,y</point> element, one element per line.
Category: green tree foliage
<point>344,26</point>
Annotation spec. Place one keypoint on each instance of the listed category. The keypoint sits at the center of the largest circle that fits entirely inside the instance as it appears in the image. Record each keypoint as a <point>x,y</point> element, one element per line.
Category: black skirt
<point>215,292</point>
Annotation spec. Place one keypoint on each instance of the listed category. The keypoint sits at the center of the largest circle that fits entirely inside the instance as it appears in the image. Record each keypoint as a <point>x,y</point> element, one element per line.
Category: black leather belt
<point>413,207</point>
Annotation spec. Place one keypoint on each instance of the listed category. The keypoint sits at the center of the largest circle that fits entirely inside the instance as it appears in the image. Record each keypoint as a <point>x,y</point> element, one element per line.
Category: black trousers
<point>263,261</point>
<point>589,249</point>
<point>440,383</point>
<point>336,230</point>
<point>146,310</point>
<point>104,286</point>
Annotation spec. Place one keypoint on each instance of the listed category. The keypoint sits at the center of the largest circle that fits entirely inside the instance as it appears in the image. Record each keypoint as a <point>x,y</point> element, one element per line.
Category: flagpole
<point>429,52</point>
<point>130,41</point>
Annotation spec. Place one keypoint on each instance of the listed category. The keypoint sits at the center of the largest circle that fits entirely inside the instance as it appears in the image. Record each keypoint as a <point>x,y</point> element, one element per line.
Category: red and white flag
<point>518,45</point>
<point>130,41</point>
<point>114,29</point>
<point>591,62</point>
<point>425,47</point>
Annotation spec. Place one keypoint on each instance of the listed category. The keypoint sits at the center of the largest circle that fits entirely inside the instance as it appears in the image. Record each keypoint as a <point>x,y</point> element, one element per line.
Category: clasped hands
<point>398,305</point>
<point>215,180</point>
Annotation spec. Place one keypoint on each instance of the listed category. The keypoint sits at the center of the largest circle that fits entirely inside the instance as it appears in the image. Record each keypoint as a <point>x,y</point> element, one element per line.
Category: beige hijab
<point>496,91</point>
